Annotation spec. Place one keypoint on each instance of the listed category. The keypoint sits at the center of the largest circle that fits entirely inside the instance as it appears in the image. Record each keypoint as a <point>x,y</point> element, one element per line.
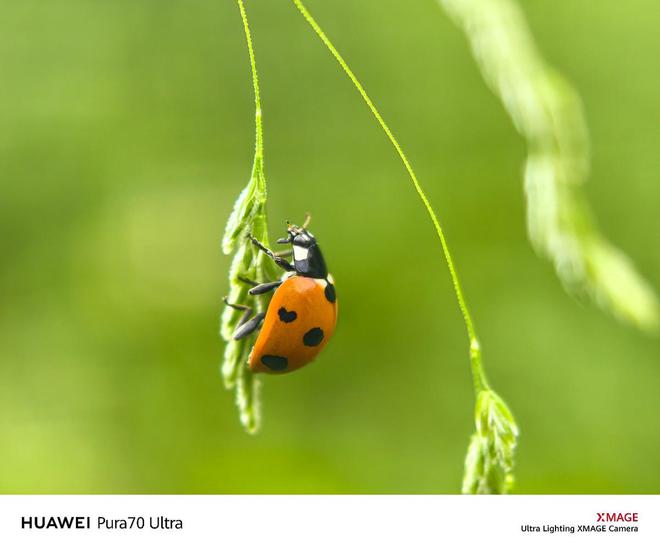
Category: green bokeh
<point>127,133</point>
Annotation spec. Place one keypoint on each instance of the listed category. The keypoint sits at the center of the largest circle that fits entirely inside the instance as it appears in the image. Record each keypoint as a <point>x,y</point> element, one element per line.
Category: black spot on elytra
<point>330,294</point>
<point>275,362</point>
<point>313,337</point>
<point>286,316</point>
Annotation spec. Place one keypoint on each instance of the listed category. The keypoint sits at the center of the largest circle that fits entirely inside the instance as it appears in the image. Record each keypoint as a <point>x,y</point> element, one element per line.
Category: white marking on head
<point>300,253</point>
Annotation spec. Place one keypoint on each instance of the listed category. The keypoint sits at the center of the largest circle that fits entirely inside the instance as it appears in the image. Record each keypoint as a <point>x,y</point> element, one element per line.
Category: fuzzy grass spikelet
<point>489,460</point>
<point>248,264</point>
<point>548,113</point>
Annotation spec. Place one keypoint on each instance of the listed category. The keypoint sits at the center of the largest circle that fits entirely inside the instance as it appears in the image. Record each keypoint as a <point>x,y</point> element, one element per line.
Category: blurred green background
<point>127,132</point>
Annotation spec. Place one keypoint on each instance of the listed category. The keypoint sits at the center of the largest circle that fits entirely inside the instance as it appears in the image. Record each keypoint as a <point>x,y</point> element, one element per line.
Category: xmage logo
<point>609,517</point>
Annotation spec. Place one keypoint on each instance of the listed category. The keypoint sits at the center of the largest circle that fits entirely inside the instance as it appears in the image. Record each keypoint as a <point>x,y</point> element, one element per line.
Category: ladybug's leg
<point>286,266</point>
<point>248,327</point>
<point>247,281</point>
<point>260,288</point>
<point>247,324</point>
<point>263,288</point>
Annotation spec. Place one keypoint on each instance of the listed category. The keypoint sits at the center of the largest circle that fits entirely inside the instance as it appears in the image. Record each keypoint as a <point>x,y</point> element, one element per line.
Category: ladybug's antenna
<point>308,218</point>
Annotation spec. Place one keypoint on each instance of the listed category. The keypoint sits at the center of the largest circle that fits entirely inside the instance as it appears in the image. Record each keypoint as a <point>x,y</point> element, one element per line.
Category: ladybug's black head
<point>307,257</point>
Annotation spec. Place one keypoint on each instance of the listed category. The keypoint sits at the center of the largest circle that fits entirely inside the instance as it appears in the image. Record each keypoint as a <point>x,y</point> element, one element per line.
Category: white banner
<point>332,522</point>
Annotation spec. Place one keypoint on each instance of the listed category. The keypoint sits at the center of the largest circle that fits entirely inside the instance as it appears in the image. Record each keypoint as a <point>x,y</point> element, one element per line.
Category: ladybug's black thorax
<point>308,262</point>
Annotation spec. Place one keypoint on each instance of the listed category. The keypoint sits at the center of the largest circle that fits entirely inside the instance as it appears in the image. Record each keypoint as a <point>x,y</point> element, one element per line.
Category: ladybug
<point>302,313</point>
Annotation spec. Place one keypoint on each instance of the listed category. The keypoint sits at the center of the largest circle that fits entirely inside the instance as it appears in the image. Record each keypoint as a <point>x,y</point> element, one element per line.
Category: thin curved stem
<point>259,142</point>
<point>479,378</point>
